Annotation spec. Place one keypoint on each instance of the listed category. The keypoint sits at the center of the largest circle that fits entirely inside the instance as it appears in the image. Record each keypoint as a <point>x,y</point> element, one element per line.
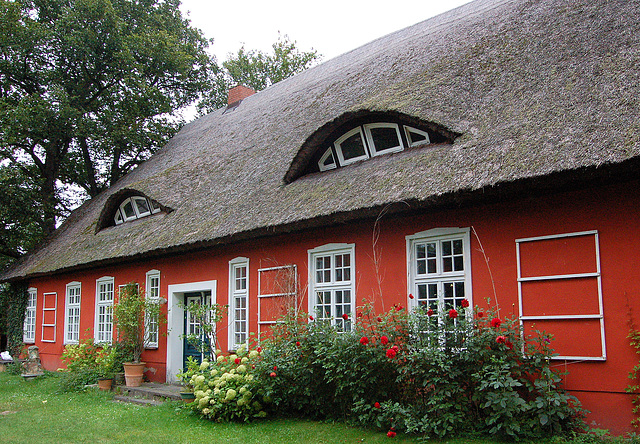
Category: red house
<point>489,152</point>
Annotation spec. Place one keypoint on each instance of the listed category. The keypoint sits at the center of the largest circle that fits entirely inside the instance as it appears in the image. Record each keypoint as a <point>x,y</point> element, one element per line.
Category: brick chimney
<point>238,93</point>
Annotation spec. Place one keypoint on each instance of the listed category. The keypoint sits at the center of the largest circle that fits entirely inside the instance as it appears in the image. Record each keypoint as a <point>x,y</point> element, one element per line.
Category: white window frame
<point>410,129</point>
<point>29,325</point>
<point>333,285</point>
<point>235,295</point>
<point>152,293</point>
<point>371,141</point>
<point>324,157</point>
<point>72,310</point>
<point>104,334</point>
<point>121,217</point>
<point>337,144</point>
<point>440,277</point>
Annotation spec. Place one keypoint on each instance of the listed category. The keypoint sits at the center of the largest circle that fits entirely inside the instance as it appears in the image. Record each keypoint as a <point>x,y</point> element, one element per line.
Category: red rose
<point>275,368</point>
<point>359,314</point>
<point>430,312</point>
<point>364,340</point>
<point>453,313</point>
<point>272,374</point>
<point>259,349</point>
<point>237,360</point>
<point>399,307</point>
<point>464,303</point>
<point>391,433</point>
<point>480,314</point>
<point>384,340</point>
<point>391,353</point>
<point>297,344</point>
<point>310,318</point>
<point>495,322</point>
<point>376,405</point>
<point>379,319</point>
<point>345,316</point>
<point>395,348</point>
<point>410,296</point>
<point>509,344</point>
<point>501,339</point>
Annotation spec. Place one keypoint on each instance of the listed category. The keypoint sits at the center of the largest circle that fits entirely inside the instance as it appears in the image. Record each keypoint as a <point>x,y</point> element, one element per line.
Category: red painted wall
<point>613,211</point>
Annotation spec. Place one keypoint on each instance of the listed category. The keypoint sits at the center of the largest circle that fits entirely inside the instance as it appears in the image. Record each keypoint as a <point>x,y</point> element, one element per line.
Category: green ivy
<point>13,306</point>
<point>634,375</point>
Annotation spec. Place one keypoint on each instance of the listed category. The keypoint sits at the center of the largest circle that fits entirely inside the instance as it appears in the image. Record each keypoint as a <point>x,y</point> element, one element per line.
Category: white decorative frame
<point>596,274</point>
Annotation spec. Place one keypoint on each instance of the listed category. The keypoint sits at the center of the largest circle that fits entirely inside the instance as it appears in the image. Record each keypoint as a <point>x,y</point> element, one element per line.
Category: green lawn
<point>32,412</point>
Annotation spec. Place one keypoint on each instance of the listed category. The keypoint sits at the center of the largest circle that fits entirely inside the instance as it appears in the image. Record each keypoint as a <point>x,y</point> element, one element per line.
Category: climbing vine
<point>13,304</point>
<point>634,387</point>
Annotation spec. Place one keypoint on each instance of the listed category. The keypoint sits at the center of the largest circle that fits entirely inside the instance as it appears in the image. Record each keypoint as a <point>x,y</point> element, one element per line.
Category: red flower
<point>501,339</point>
<point>395,348</point>
<point>509,344</point>
<point>359,314</point>
<point>310,318</point>
<point>379,319</point>
<point>495,322</point>
<point>399,307</point>
<point>480,314</point>
<point>272,374</point>
<point>391,353</point>
<point>376,405</point>
<point>391,433</point>
<point>364,340</point>
<point>430,312</point>
<point>345,316</point>
<point>275,368</point>
<point>259,349</point>
<point>410,296</point>
<point>384,340</point>
<point>464,303</point>
<point>453,313</point>
<point>297,344</point>
<point>237,360</point>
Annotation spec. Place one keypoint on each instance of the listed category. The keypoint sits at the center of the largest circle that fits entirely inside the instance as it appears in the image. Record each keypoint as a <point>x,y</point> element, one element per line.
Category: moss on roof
<point>533,87</point>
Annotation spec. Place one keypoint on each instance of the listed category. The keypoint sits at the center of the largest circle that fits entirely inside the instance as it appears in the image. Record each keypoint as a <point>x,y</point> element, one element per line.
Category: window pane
<point>127,209</point>
<point>352,147</point>
<point>385,138</point>
<point>142,205</point>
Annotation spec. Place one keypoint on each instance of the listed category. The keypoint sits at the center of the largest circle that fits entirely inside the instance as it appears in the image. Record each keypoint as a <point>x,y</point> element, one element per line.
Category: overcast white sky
<point>331,27</point>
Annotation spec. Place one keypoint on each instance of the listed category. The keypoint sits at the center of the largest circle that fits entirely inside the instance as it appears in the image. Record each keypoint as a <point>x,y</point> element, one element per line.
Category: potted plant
<point>105,365</point>
<point>129,313</point>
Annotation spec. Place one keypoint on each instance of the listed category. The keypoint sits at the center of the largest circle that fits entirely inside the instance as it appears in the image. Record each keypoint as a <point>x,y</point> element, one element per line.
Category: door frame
<point>175,322</point>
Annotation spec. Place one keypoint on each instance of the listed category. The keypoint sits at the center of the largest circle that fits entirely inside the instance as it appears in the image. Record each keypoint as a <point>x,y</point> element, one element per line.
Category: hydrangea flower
<point>204,365</point>
<point>231,393</point>
<point>253,354</point>
<point>242,368</point>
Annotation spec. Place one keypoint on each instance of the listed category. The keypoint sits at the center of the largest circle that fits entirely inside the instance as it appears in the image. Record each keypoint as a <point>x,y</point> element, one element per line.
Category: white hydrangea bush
<point>227,389</point>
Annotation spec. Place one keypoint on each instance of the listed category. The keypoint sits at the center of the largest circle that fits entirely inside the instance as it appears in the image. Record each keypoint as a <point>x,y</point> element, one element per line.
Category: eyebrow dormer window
<point>369,140</point>
<point>135,207</point>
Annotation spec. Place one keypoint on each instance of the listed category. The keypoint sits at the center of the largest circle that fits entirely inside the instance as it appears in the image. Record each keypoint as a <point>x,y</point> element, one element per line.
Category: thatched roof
<point>533,88</point>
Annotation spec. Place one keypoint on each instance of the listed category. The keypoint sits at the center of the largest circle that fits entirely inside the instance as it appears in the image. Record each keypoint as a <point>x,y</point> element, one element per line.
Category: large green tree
<point>87,88</point>
<point>257,70</point>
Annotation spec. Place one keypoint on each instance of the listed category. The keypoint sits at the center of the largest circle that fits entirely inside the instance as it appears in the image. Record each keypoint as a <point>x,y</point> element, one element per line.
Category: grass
<point>35,411</point>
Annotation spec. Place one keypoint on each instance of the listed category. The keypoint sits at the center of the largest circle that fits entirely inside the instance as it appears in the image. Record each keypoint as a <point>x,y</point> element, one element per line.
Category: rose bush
<point>428,372</point>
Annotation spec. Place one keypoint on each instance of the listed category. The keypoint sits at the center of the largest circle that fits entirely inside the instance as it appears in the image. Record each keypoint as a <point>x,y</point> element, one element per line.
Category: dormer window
<point>369,140</point>
<point>358,136</point>
<point>135,207</point>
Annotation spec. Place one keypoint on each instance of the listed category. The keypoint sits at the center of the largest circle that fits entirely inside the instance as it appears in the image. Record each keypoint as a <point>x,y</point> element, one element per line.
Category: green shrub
<point>226,389</point>
<point>437,375</point>
<point>87,362</point>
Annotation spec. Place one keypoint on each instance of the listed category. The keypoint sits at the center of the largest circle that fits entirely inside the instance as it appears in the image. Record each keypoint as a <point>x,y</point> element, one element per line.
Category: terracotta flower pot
<point>105,384</point>
<point>133,373</point>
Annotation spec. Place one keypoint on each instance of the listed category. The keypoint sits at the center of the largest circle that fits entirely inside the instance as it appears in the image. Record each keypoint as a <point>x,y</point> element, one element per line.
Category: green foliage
<point>129,314</point>
<point>438,376</point>
<point>227,389</point>
<point>86,362</point>
<point>634,375</point>
<point>87,86</point>
<point>207,317</point>
<point>256,70</point>
<point>13,305</point>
